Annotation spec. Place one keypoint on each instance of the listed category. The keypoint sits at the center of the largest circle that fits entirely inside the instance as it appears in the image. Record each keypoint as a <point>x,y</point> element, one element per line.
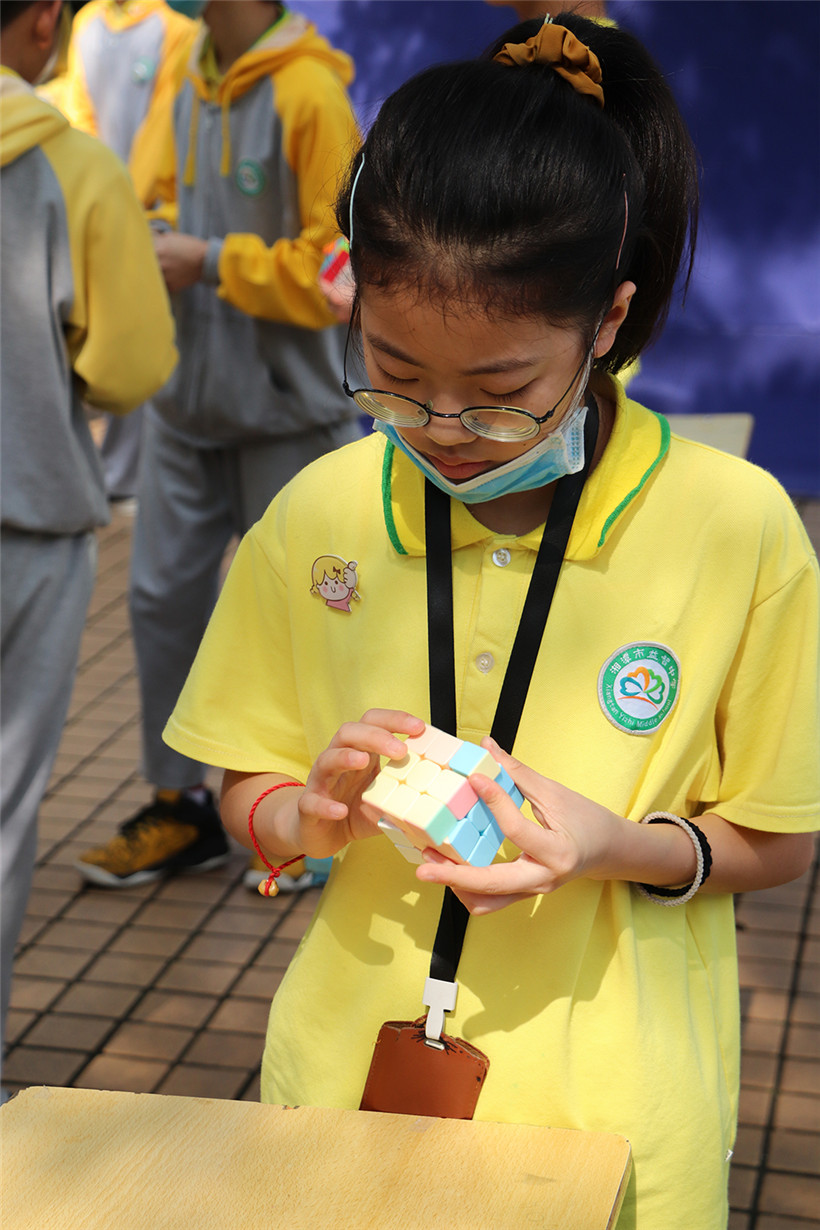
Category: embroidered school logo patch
<point>250,178</point>
<point>143,69</point>
<point>638,686</point>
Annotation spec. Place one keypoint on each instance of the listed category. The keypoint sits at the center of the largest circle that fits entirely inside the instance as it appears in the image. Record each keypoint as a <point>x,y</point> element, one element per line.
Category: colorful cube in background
<point>335,267</point>
<point>425,799</point>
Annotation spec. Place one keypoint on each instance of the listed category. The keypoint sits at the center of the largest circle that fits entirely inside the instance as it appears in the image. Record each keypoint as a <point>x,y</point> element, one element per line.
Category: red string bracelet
<point>269,887</point>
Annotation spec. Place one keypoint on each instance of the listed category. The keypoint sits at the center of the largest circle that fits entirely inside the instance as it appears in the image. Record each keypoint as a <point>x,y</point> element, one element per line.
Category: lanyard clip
<point>439,997</point>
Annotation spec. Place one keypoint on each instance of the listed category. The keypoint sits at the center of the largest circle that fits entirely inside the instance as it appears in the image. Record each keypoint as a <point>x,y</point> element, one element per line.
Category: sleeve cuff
<point>210,266</point>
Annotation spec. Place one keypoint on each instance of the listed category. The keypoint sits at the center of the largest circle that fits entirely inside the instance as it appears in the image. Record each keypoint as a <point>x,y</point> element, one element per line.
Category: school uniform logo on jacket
<point>143,70</point>
<point>250,178</point>
<point>335,579</point>
<point>638,686</point>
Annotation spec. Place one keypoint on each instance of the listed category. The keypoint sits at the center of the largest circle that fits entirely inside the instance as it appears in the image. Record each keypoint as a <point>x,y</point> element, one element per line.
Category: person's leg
<point>182,528</point>
<point>45,587</point>
<point>120,454</point>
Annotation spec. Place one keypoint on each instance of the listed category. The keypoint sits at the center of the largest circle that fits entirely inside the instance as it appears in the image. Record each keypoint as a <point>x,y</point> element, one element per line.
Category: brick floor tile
<point>801,1076</point>
<point>225,1050</point>
<point>43,903</point>
<point>803,1042</point>
<point>806,1009</point>
<point>246,1016</point>
<point>252,1093</point>
<point>258,984</point>
<point>40,961</point>
<point>66,1031</point>
<point>88,936</point>
<point>194,889</point>
<point>758,1071</point>
<point>50,879</point>
<point>277,954</point>
<point>767,1222</point>
<point>765,975</point>
<point>253,922</point>
<point>174,915</point>
<point>97,905</point>
<point>84,786</point>
<point>18,1021</point>
<point>171,1008</point>
<point>754,1106</point>
<point>34,993</point>
<point>741,1186</point>
<point>60,807</point>
<point>765,1037</point>
<point>762,1005</point>
<point>148,942</point>
<point>120,1072</point>
<point>234,950</point>
<point>144,1040</point>
<point>795,1151</point>
<point>123,967</point>
<point>798,1112</point>
<point>748,1146</point>
<point>98,999</point>
<point>775,945</point>
<point>30,929</point>
<point>194,976</point>
<point>35,1065</point>
<point>738,1220</point>
<point>192,1081</point>
<point>790,1194</point>
<point>809,979</point>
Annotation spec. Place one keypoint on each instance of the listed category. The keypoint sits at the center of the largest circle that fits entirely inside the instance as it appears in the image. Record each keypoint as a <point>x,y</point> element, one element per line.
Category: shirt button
<point>501,557</point>
<point>485,662</point>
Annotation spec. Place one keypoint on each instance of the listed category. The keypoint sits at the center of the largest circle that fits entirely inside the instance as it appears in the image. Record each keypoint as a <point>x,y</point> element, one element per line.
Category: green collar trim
<point>666,433</point>
<point>387,500</point>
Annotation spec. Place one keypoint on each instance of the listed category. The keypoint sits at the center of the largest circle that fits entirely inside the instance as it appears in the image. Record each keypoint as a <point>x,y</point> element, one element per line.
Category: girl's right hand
<point>331,812</point>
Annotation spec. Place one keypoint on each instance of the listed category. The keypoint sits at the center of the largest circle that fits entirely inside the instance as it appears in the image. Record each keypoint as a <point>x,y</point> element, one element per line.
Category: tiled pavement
<point>166,988</point>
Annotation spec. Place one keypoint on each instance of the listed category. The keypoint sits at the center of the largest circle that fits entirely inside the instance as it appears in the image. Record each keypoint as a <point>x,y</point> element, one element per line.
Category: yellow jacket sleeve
<point>151,161</point>
<point>319,139</point>
<point>120,330</point>
<point>77,105</point>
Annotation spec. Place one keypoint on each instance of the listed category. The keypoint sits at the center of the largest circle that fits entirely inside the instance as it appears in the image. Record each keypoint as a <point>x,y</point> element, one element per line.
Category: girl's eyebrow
<point>483,369</point>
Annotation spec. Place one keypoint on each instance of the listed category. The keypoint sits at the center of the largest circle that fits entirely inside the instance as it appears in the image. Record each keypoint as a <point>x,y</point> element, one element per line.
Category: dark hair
<point>10,12</point>
<point>508,187</point>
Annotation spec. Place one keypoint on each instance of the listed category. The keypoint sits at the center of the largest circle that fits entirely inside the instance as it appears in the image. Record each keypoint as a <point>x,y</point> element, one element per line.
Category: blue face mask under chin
<point>558,454</point>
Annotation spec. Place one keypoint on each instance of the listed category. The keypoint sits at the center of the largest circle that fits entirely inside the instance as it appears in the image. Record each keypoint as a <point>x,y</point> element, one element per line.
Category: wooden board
<point>77,1159</point>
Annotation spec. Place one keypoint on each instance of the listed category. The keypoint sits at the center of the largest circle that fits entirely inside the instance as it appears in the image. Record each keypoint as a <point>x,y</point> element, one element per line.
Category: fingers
<point>376,732</point>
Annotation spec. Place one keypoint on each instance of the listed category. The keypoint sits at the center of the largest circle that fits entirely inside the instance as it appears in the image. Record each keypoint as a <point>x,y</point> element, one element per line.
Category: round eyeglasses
<point>492,422</point>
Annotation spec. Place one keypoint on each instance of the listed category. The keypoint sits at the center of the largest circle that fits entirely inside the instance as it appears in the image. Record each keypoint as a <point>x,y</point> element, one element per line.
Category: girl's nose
<point>448,431</point>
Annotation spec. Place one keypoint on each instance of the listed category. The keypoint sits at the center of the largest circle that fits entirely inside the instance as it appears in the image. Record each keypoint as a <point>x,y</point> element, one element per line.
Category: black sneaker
<point>170,835</point>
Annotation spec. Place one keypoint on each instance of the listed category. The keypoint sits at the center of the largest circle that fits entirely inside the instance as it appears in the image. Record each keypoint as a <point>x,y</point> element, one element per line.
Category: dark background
<point>746,77</point>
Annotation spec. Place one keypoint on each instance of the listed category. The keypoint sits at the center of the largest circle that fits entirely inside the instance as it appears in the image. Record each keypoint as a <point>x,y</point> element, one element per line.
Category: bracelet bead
<point>269,887</point>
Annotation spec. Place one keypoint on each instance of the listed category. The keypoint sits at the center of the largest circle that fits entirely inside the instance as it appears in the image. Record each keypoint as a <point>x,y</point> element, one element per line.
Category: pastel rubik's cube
<point>425,799</point>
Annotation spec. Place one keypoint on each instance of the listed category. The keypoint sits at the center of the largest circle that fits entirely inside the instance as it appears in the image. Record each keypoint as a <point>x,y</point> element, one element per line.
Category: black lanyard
<point>441,646</point>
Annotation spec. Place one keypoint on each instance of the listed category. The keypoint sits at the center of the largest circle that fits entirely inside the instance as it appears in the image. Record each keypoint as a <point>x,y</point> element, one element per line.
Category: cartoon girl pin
<point>335,581</point>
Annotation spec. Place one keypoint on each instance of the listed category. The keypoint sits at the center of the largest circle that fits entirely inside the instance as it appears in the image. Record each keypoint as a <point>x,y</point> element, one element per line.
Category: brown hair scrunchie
<point>558,47</point>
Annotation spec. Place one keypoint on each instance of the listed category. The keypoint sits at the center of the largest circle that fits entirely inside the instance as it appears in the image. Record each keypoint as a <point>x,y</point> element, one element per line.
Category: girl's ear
<point>614,318</point>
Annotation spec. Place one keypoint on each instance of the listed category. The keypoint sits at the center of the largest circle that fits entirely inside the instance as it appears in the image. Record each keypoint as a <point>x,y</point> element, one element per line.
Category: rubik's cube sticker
<point>425,799</point>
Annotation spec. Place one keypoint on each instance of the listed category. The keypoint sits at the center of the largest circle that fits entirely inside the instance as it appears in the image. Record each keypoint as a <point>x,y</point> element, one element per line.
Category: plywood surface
<point>76,1159</point>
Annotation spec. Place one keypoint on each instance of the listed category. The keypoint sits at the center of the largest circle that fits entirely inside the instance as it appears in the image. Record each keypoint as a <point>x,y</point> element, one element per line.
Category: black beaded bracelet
<point>703,852</point>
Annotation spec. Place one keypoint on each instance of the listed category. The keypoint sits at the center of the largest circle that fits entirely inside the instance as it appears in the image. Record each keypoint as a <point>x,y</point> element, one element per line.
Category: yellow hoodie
<point>254,169</point>
<point>85,314</point>
<point>124,66</point>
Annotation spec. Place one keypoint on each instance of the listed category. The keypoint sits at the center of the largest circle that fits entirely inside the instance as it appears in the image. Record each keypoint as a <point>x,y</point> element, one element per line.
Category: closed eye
<point>505,399</point>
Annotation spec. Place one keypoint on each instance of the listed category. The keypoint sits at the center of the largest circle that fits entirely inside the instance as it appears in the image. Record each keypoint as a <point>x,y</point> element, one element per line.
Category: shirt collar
<point>634,451</point>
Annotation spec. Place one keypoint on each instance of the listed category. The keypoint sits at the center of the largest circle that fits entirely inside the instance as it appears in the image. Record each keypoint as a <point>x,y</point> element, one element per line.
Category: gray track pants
<point>192,501</point>
<point>45,586</point>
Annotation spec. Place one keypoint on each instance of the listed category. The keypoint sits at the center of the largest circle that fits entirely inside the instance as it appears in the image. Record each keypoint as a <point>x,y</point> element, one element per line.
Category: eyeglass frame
<point>427,407</point>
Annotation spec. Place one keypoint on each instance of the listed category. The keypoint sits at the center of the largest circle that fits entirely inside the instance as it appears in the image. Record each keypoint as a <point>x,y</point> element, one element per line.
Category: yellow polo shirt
<point>678,671</point>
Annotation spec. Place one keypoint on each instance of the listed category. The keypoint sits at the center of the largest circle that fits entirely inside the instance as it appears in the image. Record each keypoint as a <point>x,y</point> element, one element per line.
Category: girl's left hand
<point>574,837</point>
